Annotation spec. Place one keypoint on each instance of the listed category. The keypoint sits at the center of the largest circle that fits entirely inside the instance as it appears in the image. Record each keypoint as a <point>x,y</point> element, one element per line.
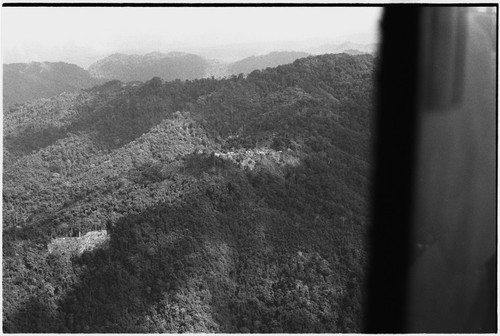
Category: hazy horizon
<point>85,35</point>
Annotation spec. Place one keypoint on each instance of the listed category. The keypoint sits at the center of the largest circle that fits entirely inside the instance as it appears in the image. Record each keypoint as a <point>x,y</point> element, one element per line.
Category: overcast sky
<point>82,35</point>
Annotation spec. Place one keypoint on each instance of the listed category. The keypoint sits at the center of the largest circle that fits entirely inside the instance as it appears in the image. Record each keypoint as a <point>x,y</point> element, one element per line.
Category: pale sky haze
<point>82,35</point>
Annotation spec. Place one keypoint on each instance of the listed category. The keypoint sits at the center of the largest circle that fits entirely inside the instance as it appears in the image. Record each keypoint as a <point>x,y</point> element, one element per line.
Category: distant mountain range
<point>270,60</point>
<point>171,66</point>
<point>346,47</point>
<point>27,81</point>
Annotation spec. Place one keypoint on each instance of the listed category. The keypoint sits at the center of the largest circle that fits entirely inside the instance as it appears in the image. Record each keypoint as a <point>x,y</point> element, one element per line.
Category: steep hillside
<point>232,205</point>
<point>24,82</point>
<point>270,60</point>
<point>170,66</point>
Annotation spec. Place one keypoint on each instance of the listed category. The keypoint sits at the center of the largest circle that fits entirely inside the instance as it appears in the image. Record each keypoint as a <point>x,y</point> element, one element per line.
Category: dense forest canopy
<point>206,205</point>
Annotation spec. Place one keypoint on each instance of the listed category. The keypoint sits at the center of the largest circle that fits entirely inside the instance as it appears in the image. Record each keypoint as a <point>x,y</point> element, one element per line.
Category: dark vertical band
<point>395,130</point>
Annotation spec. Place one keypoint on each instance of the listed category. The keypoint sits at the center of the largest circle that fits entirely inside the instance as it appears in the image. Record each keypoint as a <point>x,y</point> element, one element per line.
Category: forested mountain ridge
<point>232,205</point>
<point>29,81</point>
<point>24,82</point>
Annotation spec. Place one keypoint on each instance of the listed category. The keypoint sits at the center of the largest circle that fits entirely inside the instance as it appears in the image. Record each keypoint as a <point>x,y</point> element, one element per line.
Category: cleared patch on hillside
<point>71,246</point>
<point>261,158</point>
